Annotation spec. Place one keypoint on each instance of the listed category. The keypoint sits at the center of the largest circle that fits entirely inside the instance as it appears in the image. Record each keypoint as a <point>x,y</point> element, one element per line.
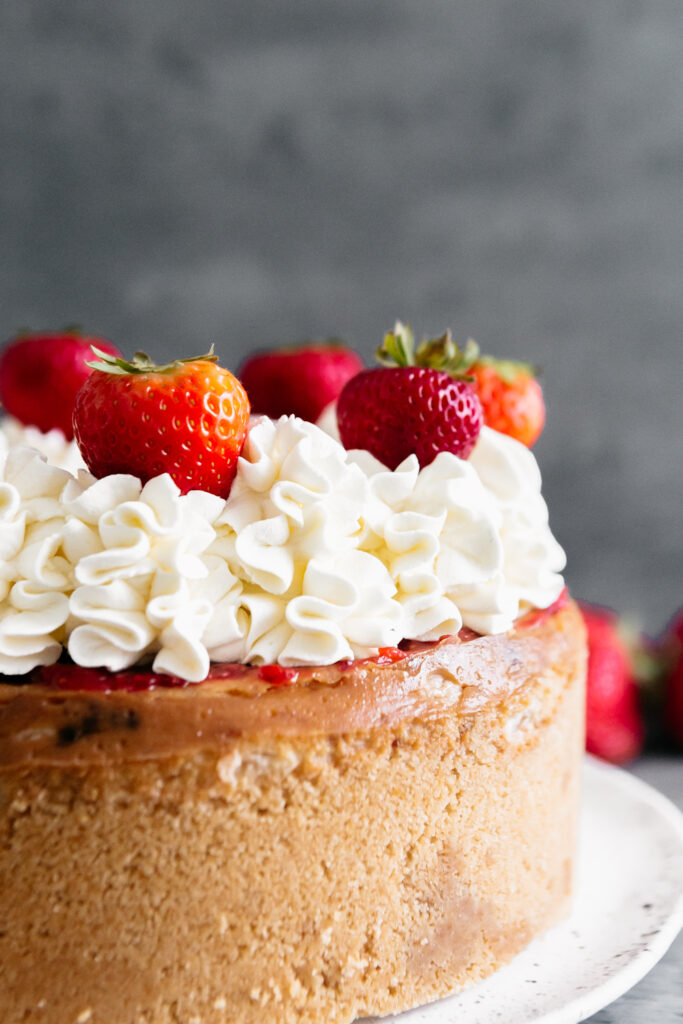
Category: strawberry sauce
<point>67,676</point>
<point>277,675</point>
<point>539,615</point>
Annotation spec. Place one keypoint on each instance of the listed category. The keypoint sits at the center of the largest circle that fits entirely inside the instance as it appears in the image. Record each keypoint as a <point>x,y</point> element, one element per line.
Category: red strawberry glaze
<point>278,675</point>
<point>388,655</point>
<point>67,676</point>
<point>533,618</point>
<point>384,656</point>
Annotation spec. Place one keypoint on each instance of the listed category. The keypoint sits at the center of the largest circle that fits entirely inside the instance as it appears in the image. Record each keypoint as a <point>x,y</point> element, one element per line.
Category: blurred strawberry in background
<point>299,381</point>
<point>511,397</point>
<point>614,724</point>
<point>672,659</point>
<point>41,374</point>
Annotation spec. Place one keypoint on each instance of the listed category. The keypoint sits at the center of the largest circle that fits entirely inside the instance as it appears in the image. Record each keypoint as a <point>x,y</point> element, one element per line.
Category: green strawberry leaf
<point>141,363</point>
<point>398,349</point>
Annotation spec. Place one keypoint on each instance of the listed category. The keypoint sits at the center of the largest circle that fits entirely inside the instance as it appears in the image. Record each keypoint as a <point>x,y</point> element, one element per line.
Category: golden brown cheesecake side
<point>367,839</point>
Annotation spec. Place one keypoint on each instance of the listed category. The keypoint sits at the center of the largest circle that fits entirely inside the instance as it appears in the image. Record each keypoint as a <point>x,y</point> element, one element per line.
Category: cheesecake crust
<point>42,725</point>
<point>316,853</point>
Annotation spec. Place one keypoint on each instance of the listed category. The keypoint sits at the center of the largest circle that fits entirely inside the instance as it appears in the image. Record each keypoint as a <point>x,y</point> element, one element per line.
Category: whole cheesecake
<point>282,845</point>
<point>285,819</point>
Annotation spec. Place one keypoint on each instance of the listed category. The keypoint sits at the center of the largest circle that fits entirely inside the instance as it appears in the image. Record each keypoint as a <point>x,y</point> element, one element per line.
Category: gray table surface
<point>658,998</point>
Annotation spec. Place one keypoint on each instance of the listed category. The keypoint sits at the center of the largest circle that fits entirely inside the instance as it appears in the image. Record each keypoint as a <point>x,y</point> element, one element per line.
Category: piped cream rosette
<point>56,448</point>
<point>318,555</point>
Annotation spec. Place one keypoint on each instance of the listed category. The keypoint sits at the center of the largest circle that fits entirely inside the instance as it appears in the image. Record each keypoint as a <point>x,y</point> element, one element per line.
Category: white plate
<point>628,910</point>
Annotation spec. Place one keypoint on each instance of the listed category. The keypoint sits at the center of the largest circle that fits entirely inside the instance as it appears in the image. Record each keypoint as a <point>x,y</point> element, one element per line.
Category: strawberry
<point>40,375</point>
<point>188,419</point>
<point>511,398</point>
<point>414,404</point>
<point>300,381</point>
<point>672,650</point>
<point>614,728</point>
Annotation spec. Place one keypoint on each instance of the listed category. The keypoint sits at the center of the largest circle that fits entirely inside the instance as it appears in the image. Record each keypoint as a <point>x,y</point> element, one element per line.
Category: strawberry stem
<point>141,363</point>
<point>398,349</point>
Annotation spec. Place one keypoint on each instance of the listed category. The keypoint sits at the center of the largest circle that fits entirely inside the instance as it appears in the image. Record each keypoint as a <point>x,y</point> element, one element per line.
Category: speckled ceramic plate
<point>628,911</point>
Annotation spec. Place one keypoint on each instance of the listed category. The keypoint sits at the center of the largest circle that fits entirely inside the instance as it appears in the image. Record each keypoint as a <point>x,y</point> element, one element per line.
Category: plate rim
<point>622,981</point>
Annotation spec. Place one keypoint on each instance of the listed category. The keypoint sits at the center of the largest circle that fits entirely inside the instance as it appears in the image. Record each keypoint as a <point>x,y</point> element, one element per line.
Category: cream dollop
<point>53,445</point>
<point>35,561</point>
<point>318,555</point>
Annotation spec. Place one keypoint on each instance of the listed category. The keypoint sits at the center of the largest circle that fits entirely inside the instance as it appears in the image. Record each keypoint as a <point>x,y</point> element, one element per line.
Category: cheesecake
<point>289,732</point>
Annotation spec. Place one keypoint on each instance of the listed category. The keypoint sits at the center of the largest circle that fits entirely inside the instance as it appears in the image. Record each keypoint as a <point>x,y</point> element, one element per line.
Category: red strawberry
<point>672,649</point>
<point>40,375</point>
<point>300,381</point>
<point>188,418</point>
<point>511,398</point>
<point>415,406</point>
<point>614,728</point>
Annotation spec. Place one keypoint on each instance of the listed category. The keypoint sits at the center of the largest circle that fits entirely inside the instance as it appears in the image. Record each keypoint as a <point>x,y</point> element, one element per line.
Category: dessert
<point>304,753</point>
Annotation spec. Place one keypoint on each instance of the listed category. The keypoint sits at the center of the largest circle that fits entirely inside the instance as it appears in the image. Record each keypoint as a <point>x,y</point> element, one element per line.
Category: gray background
<point>178,173</point>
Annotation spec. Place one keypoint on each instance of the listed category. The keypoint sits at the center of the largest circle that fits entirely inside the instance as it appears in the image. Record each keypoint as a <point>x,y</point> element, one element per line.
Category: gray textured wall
<point>175,173</point>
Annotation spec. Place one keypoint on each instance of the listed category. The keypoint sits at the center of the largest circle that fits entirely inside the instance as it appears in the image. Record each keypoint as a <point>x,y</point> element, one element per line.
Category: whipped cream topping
<point>318,555</point>
<point>327,421</point>
<point>53,445</point>
<point>35,573</point>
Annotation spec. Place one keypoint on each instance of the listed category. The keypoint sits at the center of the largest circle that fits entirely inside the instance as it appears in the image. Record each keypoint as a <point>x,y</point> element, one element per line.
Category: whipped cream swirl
<point>36,559</point>
<point>318,555</point>
<point>53,445</point>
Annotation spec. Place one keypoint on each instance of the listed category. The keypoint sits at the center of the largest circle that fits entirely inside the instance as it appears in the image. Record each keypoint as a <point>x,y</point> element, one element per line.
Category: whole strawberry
<point>511,398</point>
<point>299,381</point>
<point>40,375</point>
<point>672,656</point>
<point>415,404</point>
<point>188,419</point>
<point>614,728</point>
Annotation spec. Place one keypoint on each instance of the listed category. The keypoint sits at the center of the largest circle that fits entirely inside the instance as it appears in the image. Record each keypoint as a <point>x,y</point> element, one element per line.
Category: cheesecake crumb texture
<point>292,880</point>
